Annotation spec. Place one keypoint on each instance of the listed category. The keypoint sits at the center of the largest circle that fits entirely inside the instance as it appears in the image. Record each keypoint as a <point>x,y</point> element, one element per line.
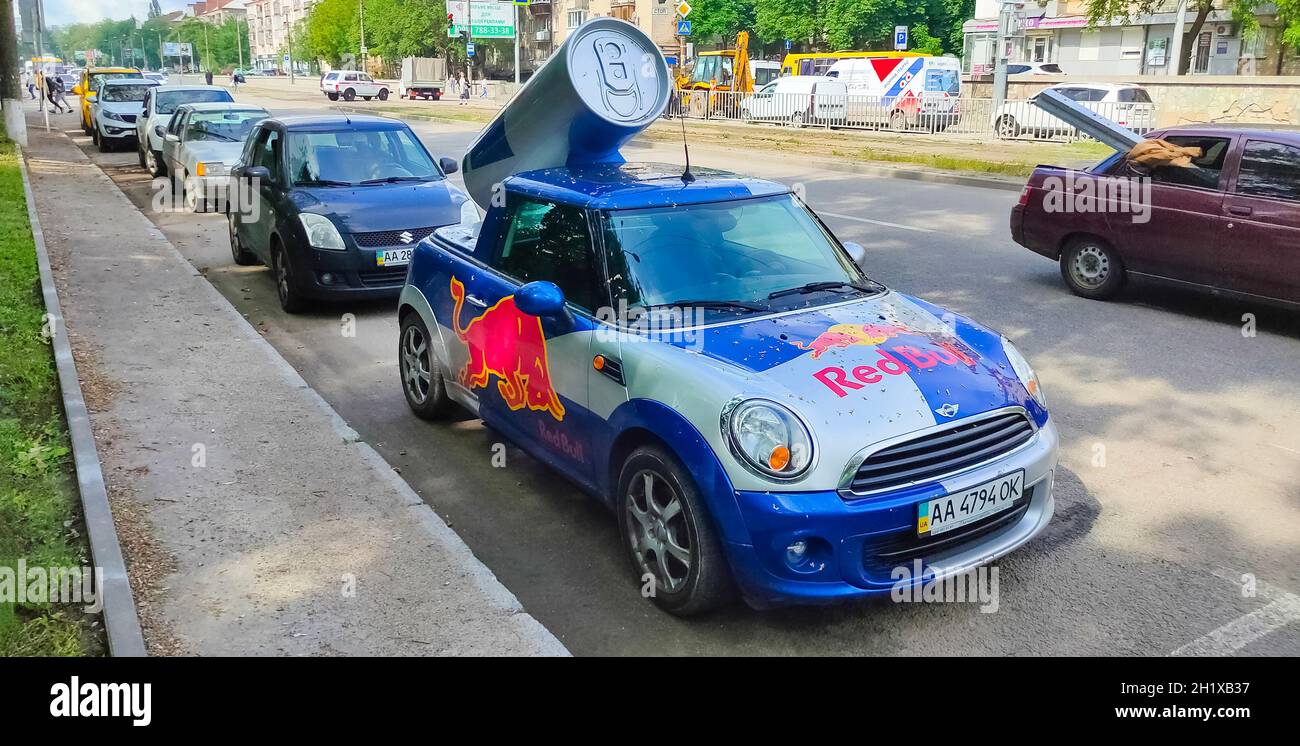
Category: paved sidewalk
<point>283,534</point>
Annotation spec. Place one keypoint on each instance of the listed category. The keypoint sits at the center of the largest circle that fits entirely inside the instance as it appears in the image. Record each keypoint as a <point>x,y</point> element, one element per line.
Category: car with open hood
<point>335,204</point>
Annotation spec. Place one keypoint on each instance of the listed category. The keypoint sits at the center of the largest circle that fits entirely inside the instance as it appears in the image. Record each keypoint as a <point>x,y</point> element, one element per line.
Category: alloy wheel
<point>416,366</point>
<point>657,529</point>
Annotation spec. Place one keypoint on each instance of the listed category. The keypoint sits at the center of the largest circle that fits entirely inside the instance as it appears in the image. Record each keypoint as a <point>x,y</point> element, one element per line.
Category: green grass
<point>945,162</point>
<point>38,498</point>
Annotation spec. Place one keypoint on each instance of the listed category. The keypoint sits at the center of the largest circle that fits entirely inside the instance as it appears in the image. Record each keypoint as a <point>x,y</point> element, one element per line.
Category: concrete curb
<point>902,171</point>
<point>121,624</point>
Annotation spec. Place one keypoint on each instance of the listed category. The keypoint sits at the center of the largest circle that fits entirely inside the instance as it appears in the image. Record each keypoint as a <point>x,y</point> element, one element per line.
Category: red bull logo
<point>509,344</point>
<point>847,335</point>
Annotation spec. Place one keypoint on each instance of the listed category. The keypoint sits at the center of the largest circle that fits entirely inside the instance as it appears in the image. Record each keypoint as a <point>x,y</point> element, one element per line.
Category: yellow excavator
<point>717,72</point>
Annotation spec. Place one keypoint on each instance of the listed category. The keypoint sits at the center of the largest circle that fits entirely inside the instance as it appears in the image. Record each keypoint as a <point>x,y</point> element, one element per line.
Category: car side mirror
<point>169,137</point>
<point>258,173</point>
<point>159,131</point>
<point>449,166</point>
<point>856,252</point>
<point>540,298</point>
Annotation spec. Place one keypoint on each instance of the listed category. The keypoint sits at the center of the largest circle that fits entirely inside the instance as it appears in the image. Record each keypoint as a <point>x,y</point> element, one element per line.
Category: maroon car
<point>1230,223</point>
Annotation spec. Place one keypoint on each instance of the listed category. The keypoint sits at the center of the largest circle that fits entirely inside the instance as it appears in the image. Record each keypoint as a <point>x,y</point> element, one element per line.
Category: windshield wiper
<point>393,179</point>
<point>718,304</point>
<point>227,138</point>
<point>322,182</point>
<point>814,287</point>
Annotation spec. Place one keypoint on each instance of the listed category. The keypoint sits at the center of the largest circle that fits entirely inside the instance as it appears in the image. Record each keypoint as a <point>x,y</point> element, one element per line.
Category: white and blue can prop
<point>603,86</point>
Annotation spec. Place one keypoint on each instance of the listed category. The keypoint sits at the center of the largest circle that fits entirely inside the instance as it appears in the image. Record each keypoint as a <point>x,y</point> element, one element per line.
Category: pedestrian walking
<point>29,82</point>
<point>464,93</point>
<point>207,76</point>
<point>54,92</point>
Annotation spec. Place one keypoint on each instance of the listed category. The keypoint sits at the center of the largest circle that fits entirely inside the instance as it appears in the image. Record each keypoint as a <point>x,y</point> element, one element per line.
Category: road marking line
<point>874,222</point>
<point>1283,609</point>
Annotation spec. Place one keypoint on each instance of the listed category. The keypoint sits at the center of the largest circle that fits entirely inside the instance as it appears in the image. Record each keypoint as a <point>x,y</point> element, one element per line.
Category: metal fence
<point>938,114</point>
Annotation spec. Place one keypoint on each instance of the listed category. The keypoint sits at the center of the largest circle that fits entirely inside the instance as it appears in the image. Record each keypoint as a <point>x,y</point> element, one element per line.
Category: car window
<point>366,79</point>
<point>1270,169</point>
<point>222,126</point>
<point>549,241</point>
<point>1134,96</point>
<point>1206,172</point>
<point>354,156</point>
<point>741,250</point>
<point>120,93</point>
<point>267,153</point>
<point>1016,69</point>
<point>177,121</point>
<point>169,100</point>
<point>1053,68</point>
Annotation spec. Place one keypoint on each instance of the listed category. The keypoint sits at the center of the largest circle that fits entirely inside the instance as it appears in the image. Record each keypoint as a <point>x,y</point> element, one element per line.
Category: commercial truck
<point>423,77</point>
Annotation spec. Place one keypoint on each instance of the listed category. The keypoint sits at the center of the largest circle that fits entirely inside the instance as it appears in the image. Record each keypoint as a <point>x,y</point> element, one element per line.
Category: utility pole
<point>1175,62</point>
<point>519,39</point>
<point>1007,27</point>
<point>288,33</point>
<point>469,41</point>
<point>239,44</point>
<point>40,55</point>
<point>207,50</point>
<point>10,95</point>
<point>361,9</point>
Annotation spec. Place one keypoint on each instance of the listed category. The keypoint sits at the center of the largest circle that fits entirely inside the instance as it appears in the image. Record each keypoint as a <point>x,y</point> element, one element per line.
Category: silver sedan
<point>201,143</point>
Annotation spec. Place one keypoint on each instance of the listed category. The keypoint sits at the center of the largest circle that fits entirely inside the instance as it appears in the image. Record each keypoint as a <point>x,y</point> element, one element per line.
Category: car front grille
<point>898,549</point>
<point>391,238</point>
<point>382,277</point>
<point>941,452</point>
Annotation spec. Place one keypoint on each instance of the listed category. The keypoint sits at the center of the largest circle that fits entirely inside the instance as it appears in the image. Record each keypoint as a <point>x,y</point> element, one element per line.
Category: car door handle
<point>475,301</point>
<point>1240,210</point>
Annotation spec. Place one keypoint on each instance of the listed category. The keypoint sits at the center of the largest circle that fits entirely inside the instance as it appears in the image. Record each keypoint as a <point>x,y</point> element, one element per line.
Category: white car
<point>349,84</point>
<point>798,99</point>
<point>114,111</point>
<point>1034,68</point>
<point>1126,104</point>
<point>158,106</point>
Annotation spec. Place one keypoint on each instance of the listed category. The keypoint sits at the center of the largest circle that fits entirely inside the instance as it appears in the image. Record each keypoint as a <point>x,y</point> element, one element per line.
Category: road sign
<point>788,45</point>
<point>491,19</point>
<point>683,9</point>
<point>900,38</point>
<point>469,49</point>
<point>683,28</point>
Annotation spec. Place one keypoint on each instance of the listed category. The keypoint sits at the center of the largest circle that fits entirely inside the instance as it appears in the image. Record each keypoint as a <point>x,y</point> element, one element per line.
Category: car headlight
<point>321,232</point>
<point>469,213</point>
<point>768,438</point>
<point>1024,371</point>
<point>114,116</point>
<point>211,168</point>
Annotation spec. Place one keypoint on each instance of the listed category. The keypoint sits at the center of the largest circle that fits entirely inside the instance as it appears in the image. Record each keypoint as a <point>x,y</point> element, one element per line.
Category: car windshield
<point>222,126</point>
<point>169,100</point>
<point>358,157</point>
<point>95,78</point>
<point>125,92</point>
<point>742,252</point>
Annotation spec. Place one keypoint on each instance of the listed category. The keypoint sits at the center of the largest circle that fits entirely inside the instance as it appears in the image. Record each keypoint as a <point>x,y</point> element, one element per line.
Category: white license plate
<point>393,257</point>
<point>960,508</point>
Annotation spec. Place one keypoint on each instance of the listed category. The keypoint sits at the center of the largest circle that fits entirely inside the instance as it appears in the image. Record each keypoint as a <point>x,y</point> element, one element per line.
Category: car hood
<point>384,207</point>
<point>226,152</point>
<point>121,107</point>
<point>890,362</point>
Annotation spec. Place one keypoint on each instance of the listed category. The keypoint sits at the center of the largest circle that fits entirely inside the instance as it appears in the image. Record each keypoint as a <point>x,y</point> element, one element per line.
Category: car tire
<point>1007,127</point>
<point>898,121</point>
<point>290,299</point>
<point>420,371</point>
<point>332,95</point>
<point>139,153</point>
<point>1092,268</point>
<point>696,576</point>
<point>365,98</point>
<point>349,95</point>
<point>796,119</point>
<point>193,195</point>
<point>243,257</point>
<point>383,94</point>
<point>153,162</point>
<point>102,142</point>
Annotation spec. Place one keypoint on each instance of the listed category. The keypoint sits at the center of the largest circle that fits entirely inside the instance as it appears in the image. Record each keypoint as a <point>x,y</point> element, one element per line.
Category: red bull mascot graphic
<point>809,431</point>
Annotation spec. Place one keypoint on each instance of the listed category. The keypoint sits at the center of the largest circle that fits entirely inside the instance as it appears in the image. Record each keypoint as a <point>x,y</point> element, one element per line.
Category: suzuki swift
<point>704,356</point>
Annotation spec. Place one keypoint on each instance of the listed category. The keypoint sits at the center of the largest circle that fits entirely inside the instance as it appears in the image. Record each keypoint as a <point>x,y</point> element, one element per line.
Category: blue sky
<point>63,12</point>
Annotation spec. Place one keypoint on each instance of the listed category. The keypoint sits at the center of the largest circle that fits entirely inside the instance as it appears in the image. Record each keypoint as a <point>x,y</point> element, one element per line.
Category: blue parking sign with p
<point>683,28</point>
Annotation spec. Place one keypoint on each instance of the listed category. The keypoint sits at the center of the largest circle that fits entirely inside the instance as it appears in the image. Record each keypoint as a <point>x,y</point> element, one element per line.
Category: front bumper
<point>115,130</point>
<point>352,273</point>
<point>855,545</point>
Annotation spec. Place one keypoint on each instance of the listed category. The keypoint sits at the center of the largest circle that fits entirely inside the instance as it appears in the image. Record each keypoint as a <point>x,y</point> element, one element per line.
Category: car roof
<point>94,70</point>
<point>1097,86</point>
<point>220,106</point>
<point>195,87</point>
<point>330,122</point>
<point>1287,133</point>
<point>619,186</point>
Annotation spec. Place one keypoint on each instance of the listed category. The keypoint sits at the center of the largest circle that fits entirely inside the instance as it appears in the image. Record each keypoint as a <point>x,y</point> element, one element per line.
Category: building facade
<point>1057,31</point>
<point>269,23</point>
<point>547,23</point>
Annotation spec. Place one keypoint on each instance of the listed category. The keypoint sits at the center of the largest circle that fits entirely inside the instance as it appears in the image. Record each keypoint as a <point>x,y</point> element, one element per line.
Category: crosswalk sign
<point>683,28</point>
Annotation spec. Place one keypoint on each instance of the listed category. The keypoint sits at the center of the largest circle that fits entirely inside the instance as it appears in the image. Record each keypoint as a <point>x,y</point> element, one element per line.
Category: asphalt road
<point>1179,471</point>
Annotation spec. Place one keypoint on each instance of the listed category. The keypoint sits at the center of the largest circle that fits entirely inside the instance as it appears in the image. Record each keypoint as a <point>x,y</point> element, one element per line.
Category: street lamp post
<point>288,34</point>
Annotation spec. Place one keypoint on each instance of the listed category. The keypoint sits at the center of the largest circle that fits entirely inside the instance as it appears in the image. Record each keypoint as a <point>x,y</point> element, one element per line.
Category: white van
<point>903,92</point>
<point>798,99</point>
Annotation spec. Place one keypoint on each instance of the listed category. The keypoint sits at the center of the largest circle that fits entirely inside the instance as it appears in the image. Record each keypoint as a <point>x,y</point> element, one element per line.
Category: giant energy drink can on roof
<point>605,84</point>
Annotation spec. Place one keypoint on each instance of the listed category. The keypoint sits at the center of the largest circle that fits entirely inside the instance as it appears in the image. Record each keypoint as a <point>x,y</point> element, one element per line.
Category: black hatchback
<point>334,205</point>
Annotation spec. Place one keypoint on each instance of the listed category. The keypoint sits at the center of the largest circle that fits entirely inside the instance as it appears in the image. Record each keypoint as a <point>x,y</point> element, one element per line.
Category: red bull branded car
<point>697,350</point>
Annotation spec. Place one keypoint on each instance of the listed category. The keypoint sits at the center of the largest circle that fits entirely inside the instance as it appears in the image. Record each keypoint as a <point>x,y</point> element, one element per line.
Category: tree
<point>331,30</point>
<point>1286,19</point>
<point>723,19</point>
